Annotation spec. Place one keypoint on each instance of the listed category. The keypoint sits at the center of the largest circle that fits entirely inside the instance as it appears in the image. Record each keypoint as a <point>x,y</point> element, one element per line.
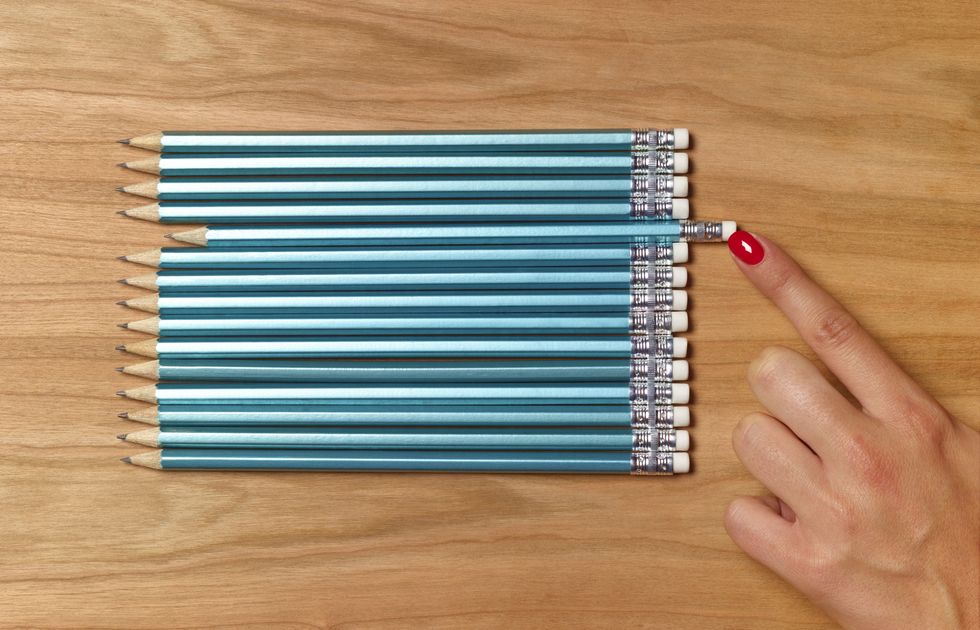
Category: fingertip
<point>746,248</point>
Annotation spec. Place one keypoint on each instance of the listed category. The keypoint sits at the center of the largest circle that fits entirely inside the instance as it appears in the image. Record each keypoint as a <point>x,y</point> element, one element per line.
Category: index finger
<point>839,340</point>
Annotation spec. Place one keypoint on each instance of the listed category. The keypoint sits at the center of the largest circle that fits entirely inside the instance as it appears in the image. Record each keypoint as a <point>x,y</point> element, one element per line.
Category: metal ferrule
<point>642,297</point>
<point>646,438</point>
<point>656,254</point>
<point>644,321</point>
<point>649,462</point>
<point>649,187</point>
<point>657,208</point>
<point>645,161</point>
<point>701,231</point>
<point>652,343</point>
<point>659,367</point>
<point>653,138</point>
<point>658,276</point>
<point>643,415</point>
<point>653,392</point>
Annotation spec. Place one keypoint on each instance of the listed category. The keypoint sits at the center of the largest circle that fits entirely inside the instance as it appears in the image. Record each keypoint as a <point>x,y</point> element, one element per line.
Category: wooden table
<point>847,132</point>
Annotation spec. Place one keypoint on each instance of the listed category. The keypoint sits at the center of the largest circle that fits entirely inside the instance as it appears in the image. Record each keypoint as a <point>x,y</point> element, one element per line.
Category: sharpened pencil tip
<point>123,141</point>
<point>123,281</point>
<point>121,302</point>
<point>126,460</point>
<point>121,392</point>
<point>120,189</point>
<point>119,369</point>
<point>171,235</point>
<point>121,436</point>
<point>123,213</point>
<point>121,348</point>
<point>126,325</point>
<point>124,415</point>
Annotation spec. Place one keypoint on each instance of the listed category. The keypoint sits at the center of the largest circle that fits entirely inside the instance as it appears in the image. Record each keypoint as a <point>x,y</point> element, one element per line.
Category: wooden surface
<point>847,131</point>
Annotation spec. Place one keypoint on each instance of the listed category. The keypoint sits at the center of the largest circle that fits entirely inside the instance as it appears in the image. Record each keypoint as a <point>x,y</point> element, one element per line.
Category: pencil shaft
<point>335,371</point>
<point>419,211</point>
<point>571,278</point>
<point>661,232</point>
<point>620,414</point>
<point>434,141</point>
<point>407,438</point>
<point>418,163</point>
<point>528,257</point>
<point>404,461</point>
<point>420,347</point>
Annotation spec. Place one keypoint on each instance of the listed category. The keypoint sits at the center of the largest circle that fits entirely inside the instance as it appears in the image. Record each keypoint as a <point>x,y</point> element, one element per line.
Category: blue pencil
<point>645,462</point>
<point>622,414</point>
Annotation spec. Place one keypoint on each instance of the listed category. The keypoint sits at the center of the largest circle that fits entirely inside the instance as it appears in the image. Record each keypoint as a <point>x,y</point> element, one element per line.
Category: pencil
<point>407,303</point>
<point>635,323</point>
<point>423,257</point>
<point>622,414</point>
<point>489,439</point>
<point>411,211</point>
<point>660,368</point>
<point>286,164</point>
<point>484,234</point>
<point>529,140</point>
<point>393,347</point>
<point>388,394</point>
<point>409,187</point>
<point>515,278</point>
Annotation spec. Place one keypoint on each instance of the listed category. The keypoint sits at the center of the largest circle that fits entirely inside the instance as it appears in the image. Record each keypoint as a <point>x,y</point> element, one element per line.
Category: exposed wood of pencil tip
<point>150,257</point>
<point>147,415</point>
<point>150,459</point>
<point>149,212</point>
<point>145,348</point>
<point>151,141</point>
<point>145,281</point>
<point>147,369</point>
<point>148,165</point>
<point>150,325</point>
<point>147,393</point>
<point>147,303</point>
<point>197,236</point>
<point>143,189</point>
<point>146,437</point>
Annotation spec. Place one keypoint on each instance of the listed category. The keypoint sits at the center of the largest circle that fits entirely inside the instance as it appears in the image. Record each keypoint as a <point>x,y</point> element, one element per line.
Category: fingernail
<point>746,248</point>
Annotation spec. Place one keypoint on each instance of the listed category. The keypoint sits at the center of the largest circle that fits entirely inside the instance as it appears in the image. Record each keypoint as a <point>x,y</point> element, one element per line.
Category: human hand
<point>876,516</point>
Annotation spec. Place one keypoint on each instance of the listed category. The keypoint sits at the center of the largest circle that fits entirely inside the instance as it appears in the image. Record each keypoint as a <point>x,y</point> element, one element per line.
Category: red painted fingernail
<point>746,248</point>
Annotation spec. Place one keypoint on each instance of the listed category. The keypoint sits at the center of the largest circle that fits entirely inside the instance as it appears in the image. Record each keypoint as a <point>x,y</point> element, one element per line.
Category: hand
<point>876,516</point>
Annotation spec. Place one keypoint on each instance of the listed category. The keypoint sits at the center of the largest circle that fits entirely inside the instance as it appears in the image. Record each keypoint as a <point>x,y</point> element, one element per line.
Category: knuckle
<point>768,367</point>
<point>873,466</point>
<point>926,420</point>
<point>834,328</point>
<point>745,430</point>
<point>781,279</point>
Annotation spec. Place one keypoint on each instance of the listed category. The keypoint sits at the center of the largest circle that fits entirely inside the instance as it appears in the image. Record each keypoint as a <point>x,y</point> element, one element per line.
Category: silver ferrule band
<point>658,367</point>
<point>658,208</point>
<point>649,188</point>
<point>653,138</point>
<point>645,438</point>
<point>650,462</point>
<point>701,231</point>
<point>652,275</point>
<point>644,322</point>
<point>651,391</point>
<point>652,254</point>
<point>655,343</point>
<point>651,162</point>
<point>642,297</point>
<point>643,415</point>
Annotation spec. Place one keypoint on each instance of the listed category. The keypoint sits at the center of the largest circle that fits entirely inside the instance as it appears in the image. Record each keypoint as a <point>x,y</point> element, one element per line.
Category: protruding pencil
<point>150,258</point>
<point>147,369</point>
<point>148,303</point>
<point>147,415</point>
<point>147,437</point>
<point>151,141</point>
<point>149,459</point>
<point>145,281</point>
<point>150,325</point>
<point>198,236</point>
<point>126,460</point>
<point>143,189</point>
<point>147,393</point>
<point>148,165</point>
<point>146,348</point>
<point>149,212</point>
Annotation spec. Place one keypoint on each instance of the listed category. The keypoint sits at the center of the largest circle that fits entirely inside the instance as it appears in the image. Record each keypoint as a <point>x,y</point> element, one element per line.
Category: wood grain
<point>847,131</point>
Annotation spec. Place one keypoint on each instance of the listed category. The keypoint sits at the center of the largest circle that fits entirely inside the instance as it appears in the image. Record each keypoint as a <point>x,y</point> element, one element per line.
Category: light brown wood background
<point>847,131</point>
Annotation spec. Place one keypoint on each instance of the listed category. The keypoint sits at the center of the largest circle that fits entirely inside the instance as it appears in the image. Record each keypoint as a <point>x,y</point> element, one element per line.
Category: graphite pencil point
<point>121,348</point>
<point>122,164</point>
<point>119,369</point>
<point>123,141</point>
<point>121,436</point>
<point>124,415</point>
<point>123,281</point>
<point>126,325</point>
<point>126,460</point>
<point>171,235</point>
<point>120,189</point>
<point>121,392</point>
<point>121,302</point>
<point>122,258</point>
<point>123,213</point>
